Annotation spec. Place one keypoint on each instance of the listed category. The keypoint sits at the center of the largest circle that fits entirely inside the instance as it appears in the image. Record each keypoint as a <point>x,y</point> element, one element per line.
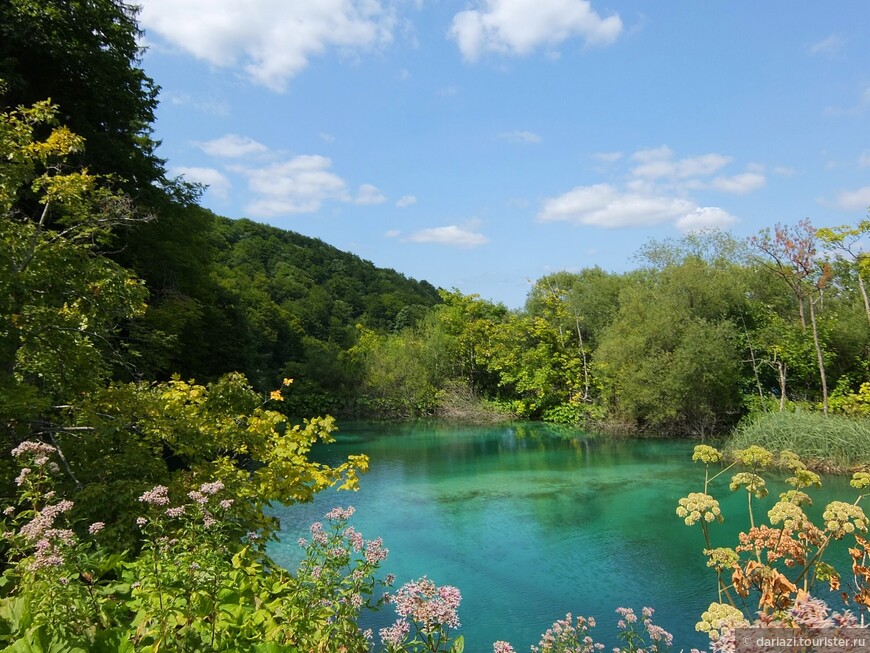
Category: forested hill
<point>236,295</point>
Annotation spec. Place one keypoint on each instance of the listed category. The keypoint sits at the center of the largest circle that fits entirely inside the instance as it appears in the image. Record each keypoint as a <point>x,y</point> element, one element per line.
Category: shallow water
<point>532,522</point>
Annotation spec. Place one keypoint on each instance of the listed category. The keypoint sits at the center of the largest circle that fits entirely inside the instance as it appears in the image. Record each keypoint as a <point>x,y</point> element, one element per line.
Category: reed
<point>833,443</point>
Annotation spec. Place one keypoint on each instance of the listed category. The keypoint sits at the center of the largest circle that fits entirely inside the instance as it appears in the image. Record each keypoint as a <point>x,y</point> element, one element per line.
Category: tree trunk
<point>583,358</point>
<point>781,369</point>
<point>864,295</point>
<point>820,358</point>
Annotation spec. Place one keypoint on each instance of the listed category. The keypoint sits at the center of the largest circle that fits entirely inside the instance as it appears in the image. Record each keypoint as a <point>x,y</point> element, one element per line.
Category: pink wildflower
<point>175,511</point>
<point>340,513</point>
<point>96,527</point>
<point>43,521</point>
<point>226,504</point>
<point>156,496</point>
<point>31,447</point>
<point>427,604</point>
<point>356,539</point>
<point>375,551</point>
<point>394,636</point>
<point>502,647</point>
<point>19,480</point>
<point>211,488</point>
<point>198,497</point>
<point>628,614</point>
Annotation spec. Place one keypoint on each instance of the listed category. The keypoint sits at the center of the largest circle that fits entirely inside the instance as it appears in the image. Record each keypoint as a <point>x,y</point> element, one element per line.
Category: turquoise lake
<point>532,521</point>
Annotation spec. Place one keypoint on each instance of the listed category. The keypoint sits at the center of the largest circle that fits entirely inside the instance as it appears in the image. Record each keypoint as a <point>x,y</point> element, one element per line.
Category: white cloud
<point>272,40</point>
<point>860,107</point>
<point>232,146</point>
<point>520,137</point>
<point>739,184</point>
<point>393,233</point>
<point>659,163</point>
<point>854,200</point>
<point>208,106</point>
<point>657,189</point>
<point>452,235</point>
<point>607,157</point>
<point>864,159</point>
<point>299,185</point>
<point>603,205</point>
<point>405,201</point>
<point>368,195</point>
<point>518,27</point>
<point>707,217</point>
<point>326,138</point>
<point>828,45</point>
<point>217,183</point>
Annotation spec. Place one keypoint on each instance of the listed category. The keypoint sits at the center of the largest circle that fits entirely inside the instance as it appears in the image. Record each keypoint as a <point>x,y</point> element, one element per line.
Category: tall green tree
<point>84,55</point>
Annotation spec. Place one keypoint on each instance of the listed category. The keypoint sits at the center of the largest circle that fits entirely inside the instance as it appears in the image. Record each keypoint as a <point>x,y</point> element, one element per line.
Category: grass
<point>835,443</point>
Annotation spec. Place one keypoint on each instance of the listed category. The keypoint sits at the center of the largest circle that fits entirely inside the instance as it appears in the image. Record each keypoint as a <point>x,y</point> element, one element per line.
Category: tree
<point>790,253</point>
<point>61,304</point>
<point>844,241</point>
<point>671,359</point>
<point>84,55</point>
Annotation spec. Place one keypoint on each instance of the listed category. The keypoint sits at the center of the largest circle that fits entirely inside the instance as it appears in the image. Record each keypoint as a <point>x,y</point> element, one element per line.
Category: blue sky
<point>482,144</point>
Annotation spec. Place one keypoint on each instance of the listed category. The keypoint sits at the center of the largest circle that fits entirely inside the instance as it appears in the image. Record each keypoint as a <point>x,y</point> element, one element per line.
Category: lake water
<point>532,521</point>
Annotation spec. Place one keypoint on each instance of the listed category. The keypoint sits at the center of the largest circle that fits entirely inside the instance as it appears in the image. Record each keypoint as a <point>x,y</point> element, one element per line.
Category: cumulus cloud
<point>299,185</point>
<point>368,195</point>
<point>706,217</point>
<point>520,137</point>
<point>452,235</point>
<point>660,163</point>
<point>604,205</point>
<point>656,190</point>
<point>406,200</point>
<point>739,184</point>
<point>217,183</point>
<point>271,40</point>
<point>518,27</point>
<point>854,200</point>
<point>232,146</point>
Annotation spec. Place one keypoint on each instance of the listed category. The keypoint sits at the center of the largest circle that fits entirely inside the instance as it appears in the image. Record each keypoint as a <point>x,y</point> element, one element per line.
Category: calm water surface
<point>532,522</point>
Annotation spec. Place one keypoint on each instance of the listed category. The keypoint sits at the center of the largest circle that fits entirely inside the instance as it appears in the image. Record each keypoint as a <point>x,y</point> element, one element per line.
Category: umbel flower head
<point>699,506</point>
<point>753,483</point>
<point>720,618</point>
<point>841,518</point>
<point>706,454</point>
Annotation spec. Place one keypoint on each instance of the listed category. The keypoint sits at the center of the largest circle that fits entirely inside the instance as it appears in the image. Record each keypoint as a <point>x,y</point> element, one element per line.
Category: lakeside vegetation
<point>117,291</point>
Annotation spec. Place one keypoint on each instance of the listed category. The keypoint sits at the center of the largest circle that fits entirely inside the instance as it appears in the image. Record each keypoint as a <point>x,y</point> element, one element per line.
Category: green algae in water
<point>532,522</point>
